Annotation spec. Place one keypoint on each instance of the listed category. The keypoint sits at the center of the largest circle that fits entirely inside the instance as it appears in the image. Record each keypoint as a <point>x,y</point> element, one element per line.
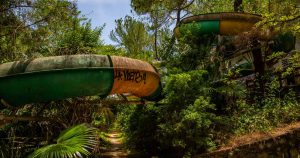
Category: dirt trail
<point>116,149</point>
<point>237,143</point>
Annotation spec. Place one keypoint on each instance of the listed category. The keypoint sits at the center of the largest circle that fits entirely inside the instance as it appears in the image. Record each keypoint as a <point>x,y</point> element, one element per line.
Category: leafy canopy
<point>132,35</point>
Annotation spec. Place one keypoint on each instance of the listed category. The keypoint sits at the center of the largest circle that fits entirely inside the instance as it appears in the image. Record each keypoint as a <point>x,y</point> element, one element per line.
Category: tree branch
<point>292,19</point>
<point>20,6</point>
<point>189,4</point>
<point>29,25</point>
<point>25,118</point>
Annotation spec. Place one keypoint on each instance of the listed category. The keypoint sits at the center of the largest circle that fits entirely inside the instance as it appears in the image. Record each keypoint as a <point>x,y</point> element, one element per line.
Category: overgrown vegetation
<point>195,117</point>
<point>76,141</point>
<point>202,106</point>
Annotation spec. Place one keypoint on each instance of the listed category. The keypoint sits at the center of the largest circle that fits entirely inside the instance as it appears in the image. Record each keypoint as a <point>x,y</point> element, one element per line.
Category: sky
<point>105,11</point>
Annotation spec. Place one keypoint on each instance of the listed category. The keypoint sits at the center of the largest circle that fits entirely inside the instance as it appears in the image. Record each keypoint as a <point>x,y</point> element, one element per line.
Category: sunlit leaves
<point>211,6</point>
<point>132,35</point>
<point>75,142</point>
<point>178,86</point>
<point>82,39</point>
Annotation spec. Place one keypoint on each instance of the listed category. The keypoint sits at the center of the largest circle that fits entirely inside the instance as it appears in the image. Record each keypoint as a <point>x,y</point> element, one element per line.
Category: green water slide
<point>54,78</point>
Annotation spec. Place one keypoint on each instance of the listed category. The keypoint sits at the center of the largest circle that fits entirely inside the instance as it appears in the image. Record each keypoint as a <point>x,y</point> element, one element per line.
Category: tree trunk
<point>155,35</point>
<point>155,44</point>
<point>237,5</point>
<point>259,67</point>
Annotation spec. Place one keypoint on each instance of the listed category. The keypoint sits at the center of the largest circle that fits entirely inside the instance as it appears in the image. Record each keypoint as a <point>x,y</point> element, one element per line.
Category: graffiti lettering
<point>130,75</point>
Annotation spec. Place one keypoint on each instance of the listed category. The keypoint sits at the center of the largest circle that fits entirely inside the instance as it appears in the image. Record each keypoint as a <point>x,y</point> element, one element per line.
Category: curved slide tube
<point>54,78</point>
<point>227,24</point>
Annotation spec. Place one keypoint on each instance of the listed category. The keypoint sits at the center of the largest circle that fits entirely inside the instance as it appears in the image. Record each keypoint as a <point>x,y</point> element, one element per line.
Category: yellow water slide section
<point>234,27</point>
<point>236,23</point>
<point>133,76</point>
<point>228,24</point>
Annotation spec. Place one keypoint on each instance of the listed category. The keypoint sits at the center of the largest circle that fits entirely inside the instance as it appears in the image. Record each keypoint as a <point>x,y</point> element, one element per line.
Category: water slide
<point>227,24</point>
<point>231,24</point>
<point>54,78</point>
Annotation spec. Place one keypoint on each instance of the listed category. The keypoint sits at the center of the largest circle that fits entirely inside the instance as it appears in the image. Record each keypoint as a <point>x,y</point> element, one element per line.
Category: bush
<point>193,132</point>
<point>251,117</point>
<point>139,123</point>
<point>197,116</point>
<point>181,125</point>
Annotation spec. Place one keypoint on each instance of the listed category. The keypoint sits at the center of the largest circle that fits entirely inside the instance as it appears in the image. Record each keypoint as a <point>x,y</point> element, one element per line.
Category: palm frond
<point>74,142</point>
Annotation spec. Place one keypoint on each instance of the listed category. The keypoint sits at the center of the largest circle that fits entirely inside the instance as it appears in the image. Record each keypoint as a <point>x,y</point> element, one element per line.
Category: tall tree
<point>27,25</point>
<point>33,28</point>
<point>41,27</point>
<point>132,35</point>
<point>209,6</point>
<point>172,9</point>
<point>81,39</point>
<point>162,13</point>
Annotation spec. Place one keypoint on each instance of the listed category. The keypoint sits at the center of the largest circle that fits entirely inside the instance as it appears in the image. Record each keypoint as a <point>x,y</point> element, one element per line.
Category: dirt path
<point>116,149</point>
<point>245,141</point>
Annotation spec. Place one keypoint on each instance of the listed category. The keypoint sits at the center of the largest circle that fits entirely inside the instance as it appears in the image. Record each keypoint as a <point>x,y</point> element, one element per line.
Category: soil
<point>116,148</point>
<point>251,138</point>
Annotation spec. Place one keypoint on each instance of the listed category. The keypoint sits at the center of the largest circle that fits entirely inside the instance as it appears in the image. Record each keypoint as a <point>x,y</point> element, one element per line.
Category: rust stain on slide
<point>134,76</point>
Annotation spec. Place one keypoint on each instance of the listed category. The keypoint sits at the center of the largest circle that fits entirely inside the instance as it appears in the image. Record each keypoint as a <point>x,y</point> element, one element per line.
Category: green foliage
<point>82,39</point>
<point>50,120</point>
<point>201,109</point>
<point>198,112</point>
<point>196,116</point>
<point>192,53</point>
<point>210,6</point>
<point>225,94</point>
<point>282,16</point>
<point>193,129</point>
<point>161,15</point>
<point>276,56</point>
<point>276,111</point>
<point>132,35</point>
<point>123,115</point>
<point>167,6</point>
<point>139,125</point>
<point>166,46</point>
<point>38,28</point>
<point>294,61</point>
<point>77,141</point>
<point>172,127</point>
<point>103,117</point>
<point>275,108</point>
<point>185,85</point>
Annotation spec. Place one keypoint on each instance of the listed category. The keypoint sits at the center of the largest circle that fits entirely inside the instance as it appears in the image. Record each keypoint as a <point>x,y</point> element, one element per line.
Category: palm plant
<point>77,141</point>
